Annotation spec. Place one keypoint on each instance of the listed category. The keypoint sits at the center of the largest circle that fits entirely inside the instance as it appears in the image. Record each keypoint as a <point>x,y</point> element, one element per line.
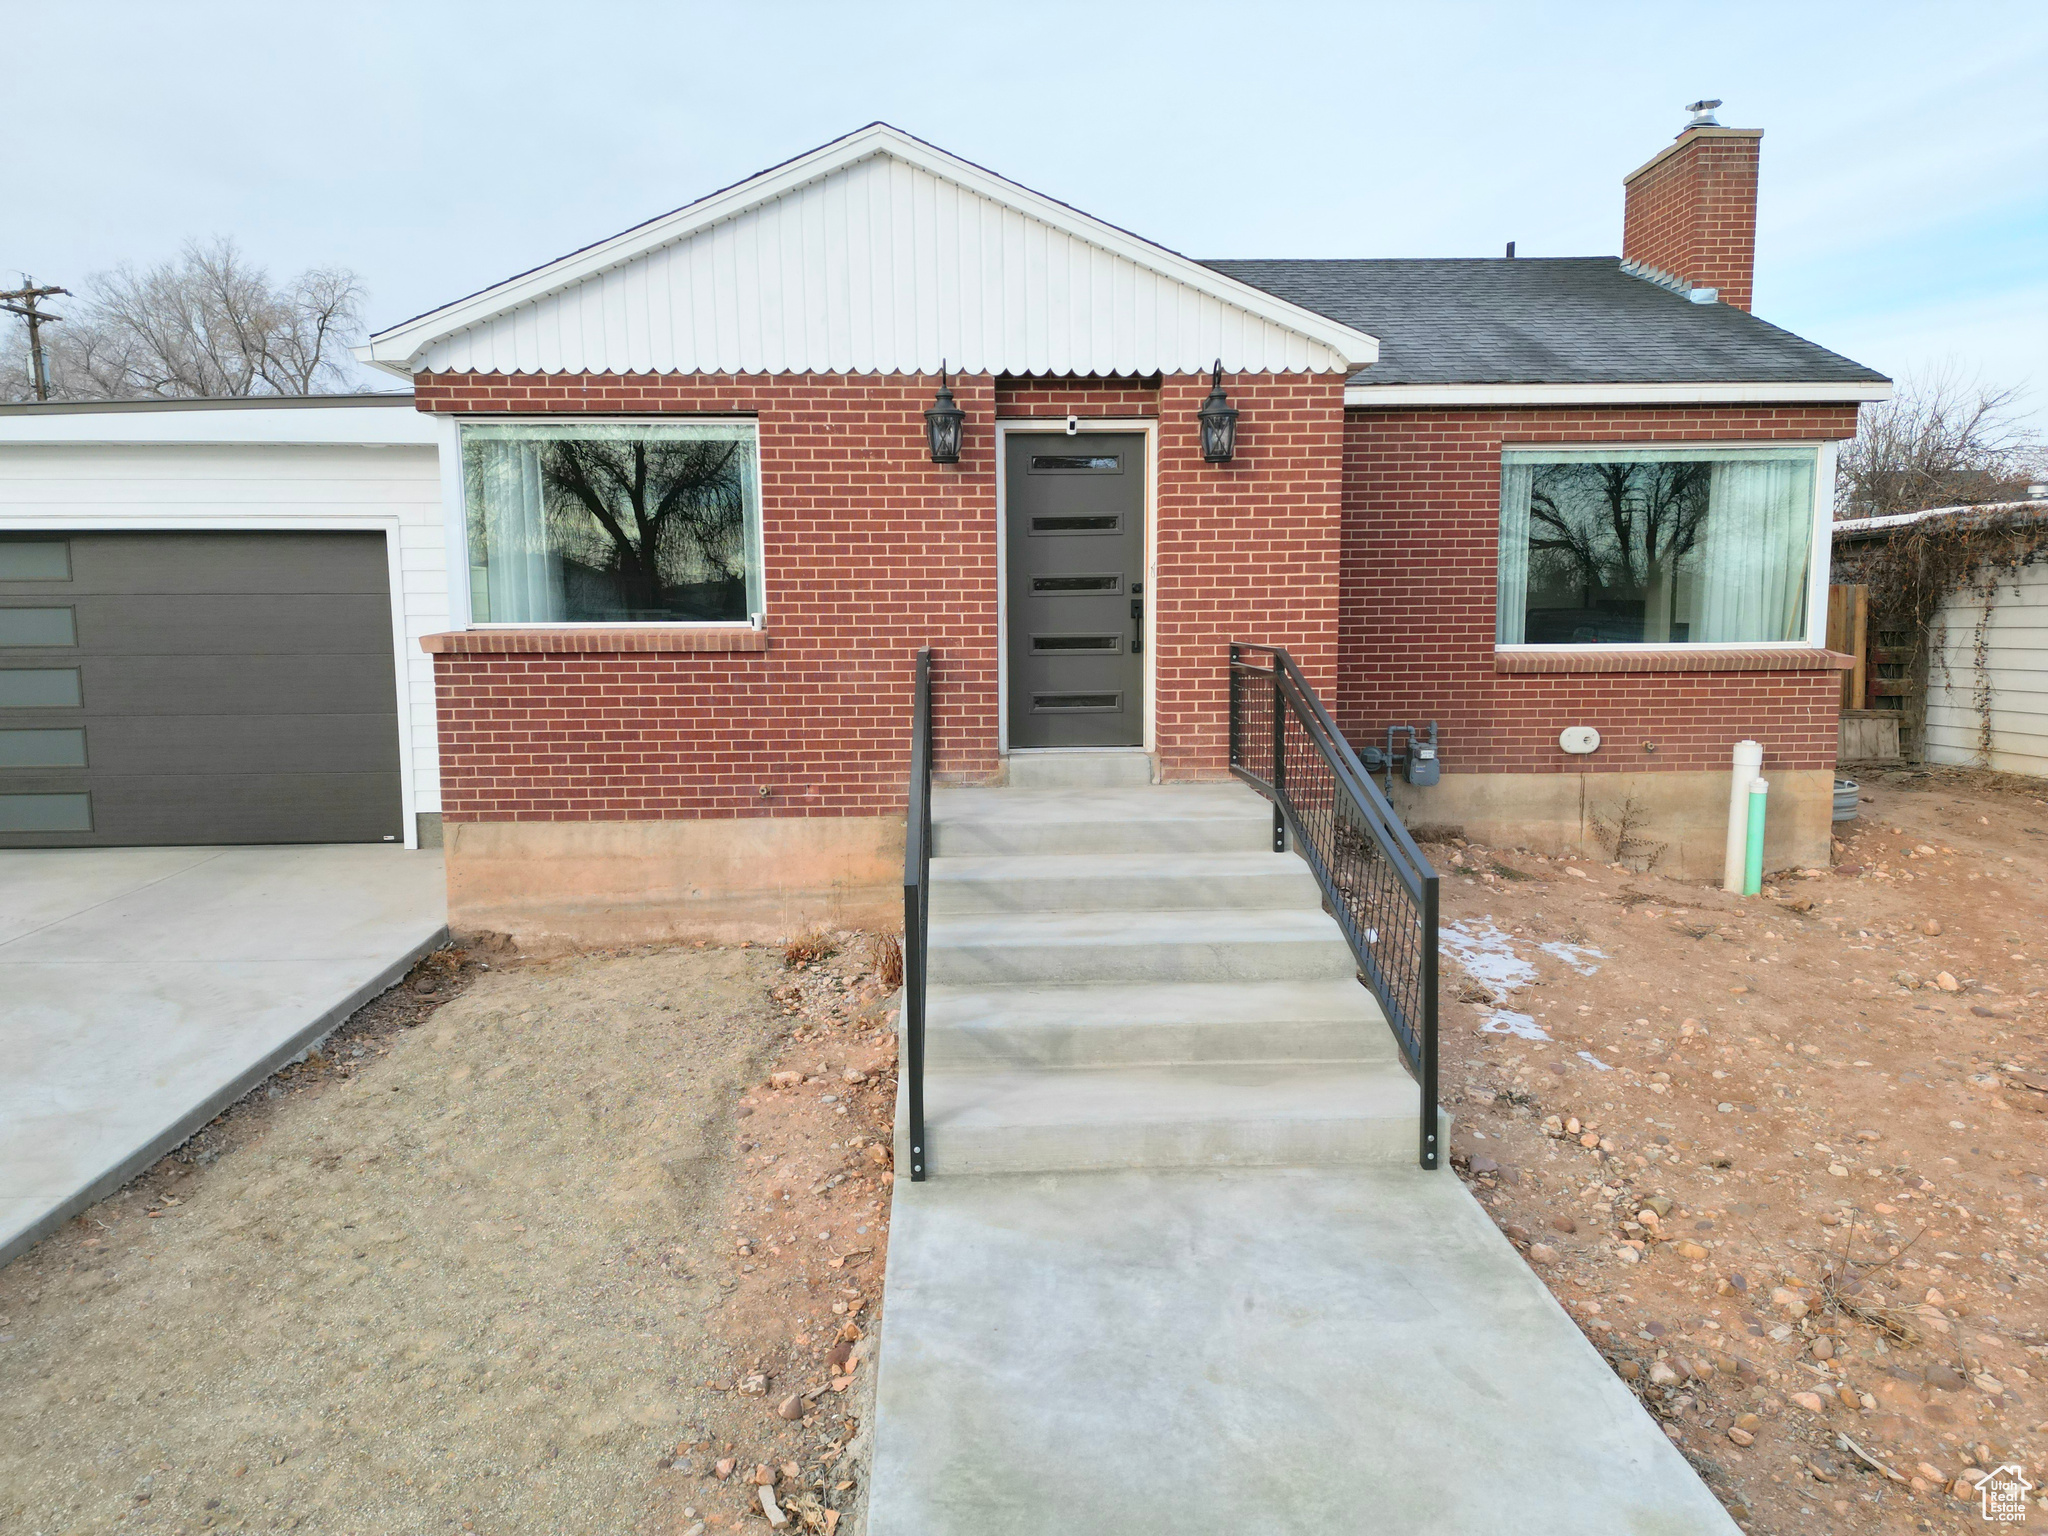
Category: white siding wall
<point>879,267</point>
<point>2016,657</point>
<point>178,485</point>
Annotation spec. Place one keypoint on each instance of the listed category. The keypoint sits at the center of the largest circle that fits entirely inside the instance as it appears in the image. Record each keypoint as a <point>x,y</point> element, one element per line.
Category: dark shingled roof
<point>1542,320</point>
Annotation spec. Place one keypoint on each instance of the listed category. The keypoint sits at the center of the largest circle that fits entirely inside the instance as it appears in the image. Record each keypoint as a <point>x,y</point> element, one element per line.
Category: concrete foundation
<point>1679,821</point>
<point>572,884</point>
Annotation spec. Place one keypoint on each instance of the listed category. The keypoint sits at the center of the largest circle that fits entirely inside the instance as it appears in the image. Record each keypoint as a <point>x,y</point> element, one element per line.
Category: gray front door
<point>1076,572</point>
<point>196,688</point>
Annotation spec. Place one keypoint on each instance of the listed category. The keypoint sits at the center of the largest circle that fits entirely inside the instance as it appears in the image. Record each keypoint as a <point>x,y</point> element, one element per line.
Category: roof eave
<point>1831,392</point>
<point>395,349</point>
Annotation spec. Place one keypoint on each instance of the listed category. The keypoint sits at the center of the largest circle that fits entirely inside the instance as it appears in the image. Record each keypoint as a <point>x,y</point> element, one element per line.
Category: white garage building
<point>209,622</point>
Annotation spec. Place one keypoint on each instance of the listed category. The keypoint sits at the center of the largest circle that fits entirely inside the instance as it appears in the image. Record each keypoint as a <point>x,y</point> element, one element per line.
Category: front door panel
<point>1076,573</point>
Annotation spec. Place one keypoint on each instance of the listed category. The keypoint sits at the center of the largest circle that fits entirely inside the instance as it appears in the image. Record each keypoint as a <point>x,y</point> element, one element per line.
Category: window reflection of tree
<point>1616,534</point>
<point>649,529</point>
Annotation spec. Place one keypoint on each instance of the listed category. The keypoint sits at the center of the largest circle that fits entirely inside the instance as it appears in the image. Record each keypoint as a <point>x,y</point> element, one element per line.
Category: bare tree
<point>1936,443</point>
<point>208,325</point>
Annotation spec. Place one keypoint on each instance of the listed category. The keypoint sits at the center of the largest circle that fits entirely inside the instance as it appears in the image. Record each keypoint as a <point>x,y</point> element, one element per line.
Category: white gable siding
<point>880,266</point>
<point>169,485</point>
<point>2016,666</point>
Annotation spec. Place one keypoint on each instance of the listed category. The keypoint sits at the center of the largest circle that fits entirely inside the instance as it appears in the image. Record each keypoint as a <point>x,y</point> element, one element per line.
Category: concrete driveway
<point>143,990</point>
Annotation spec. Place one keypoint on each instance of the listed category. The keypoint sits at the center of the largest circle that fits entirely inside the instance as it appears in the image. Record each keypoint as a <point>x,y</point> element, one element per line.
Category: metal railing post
<point>1425,1070</point>
<point>917,866</point>
<point>1236,752</point>
<point>1279,778</point>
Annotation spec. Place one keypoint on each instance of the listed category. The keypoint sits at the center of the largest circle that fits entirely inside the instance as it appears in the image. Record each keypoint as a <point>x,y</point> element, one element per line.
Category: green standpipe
<point>1753,854</point>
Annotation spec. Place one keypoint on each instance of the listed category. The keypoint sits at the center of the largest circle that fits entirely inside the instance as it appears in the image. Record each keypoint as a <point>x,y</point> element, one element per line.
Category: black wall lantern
<point>942,424</point>
<point>1219,421</point>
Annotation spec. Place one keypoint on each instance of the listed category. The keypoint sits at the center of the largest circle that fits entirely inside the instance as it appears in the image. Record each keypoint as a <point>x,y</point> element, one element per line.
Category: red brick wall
<point>871,550</point>
<point>1416,619</point>
<point>1248,550</point>
<point>1059,397</point>
<point>1692,213</point>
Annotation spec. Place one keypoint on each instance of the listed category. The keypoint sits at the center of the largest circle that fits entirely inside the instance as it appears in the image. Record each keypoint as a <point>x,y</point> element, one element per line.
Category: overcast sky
<point>438,147</point>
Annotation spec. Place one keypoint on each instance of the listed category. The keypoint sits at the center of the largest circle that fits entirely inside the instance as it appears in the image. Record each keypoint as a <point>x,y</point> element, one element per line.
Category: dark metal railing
<point>917,904</point>
<point>1375,881</point>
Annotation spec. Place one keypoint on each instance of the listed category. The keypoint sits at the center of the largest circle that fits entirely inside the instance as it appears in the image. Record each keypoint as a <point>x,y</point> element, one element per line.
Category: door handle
<point>1137,626</point>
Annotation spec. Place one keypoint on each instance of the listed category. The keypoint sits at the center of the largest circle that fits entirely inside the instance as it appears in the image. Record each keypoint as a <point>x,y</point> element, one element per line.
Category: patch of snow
<point>1573,955</point>
<point>1505,1021</point>
<point>1487,955</point>
<point>1594,1061</point>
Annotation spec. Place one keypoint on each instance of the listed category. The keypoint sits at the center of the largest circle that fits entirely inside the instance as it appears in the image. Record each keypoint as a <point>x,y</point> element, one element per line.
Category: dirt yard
<point>1783,1157</point>
<point>528,1247</point>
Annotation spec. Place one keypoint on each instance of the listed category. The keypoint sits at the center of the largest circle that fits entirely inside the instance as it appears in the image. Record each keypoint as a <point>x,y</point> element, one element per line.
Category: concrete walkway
<point>1175,1269</point>
<point>142,990</point>
<point>1245,1351</point>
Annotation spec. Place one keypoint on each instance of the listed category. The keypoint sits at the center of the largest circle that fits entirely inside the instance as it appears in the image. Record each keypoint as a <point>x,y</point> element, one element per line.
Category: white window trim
<point>1055,427</point>
<point>456,517</point>
<point>1817,569</point>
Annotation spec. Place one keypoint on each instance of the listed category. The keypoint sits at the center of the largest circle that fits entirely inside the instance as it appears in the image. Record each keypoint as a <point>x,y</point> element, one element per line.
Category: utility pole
<point>22,301</point>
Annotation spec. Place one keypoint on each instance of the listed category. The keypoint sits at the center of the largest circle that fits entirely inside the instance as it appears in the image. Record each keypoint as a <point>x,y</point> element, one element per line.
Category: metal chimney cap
<point>1703,114</point>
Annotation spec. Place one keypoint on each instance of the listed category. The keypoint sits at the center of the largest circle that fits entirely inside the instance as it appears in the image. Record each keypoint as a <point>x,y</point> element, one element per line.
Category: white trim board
<point>383,425</point>
<point>955,264</point>
<point>1395,396</point>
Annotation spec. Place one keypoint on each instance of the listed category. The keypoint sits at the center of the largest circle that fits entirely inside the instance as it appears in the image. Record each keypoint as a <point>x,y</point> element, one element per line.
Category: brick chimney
<point>1691,209</point>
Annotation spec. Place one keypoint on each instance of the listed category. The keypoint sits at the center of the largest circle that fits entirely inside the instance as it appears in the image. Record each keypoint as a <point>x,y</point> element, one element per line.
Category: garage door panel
<point>231,688</point>
<point>258,624</point>
<point>237,685</point>
<point>206,685</point>
<point>235,808</point>
<point>123,565</point>
<point>228,744</point>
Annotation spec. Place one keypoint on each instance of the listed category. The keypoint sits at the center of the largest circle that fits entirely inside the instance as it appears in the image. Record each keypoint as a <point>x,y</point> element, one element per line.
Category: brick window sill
<point>1687,659</point>
<point>496,642</point>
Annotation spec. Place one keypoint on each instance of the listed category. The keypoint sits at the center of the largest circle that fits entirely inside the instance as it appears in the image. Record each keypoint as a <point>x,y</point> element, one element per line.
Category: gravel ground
<point>1784,1158</point>
<point>469,1273</point>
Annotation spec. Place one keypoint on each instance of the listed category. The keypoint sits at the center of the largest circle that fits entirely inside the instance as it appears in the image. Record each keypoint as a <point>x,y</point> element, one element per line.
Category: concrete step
<point>1167,818</point>
<point>1130,882</point>
<point>1159,1024</point>
<point>1057,949</point>
<point>1031,1120</point>
<point>1065,768</point>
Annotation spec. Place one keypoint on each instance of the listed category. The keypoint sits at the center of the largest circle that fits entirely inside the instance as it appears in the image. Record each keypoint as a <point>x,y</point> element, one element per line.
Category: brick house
<point>1655,459</point>
<point>698,525</point>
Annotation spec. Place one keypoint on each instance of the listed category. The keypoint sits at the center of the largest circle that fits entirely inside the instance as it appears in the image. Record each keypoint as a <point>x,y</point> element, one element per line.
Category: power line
<point>22,301</point>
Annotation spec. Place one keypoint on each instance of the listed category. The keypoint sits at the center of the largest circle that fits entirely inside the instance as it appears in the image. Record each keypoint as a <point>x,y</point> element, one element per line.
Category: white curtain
<point>1516,481</point>
<point>1755,551</point>
<point>522,577</point>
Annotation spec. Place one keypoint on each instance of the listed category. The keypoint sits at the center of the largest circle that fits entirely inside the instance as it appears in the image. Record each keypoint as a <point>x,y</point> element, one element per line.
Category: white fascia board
<point>1388,396</point>
<point>393,350</point>
<point>397,424</point>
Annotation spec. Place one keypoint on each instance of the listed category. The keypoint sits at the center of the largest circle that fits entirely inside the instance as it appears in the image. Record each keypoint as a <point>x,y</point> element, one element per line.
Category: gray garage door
<point>196,688</point>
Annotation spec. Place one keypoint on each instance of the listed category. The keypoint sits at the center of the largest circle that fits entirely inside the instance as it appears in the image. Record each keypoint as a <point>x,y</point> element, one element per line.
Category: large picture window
<point>1655,546</point>
<point>612,522</point>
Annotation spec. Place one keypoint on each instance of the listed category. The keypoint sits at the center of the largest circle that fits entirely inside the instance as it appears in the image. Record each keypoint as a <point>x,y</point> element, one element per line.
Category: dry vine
<point>1913,570</point>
